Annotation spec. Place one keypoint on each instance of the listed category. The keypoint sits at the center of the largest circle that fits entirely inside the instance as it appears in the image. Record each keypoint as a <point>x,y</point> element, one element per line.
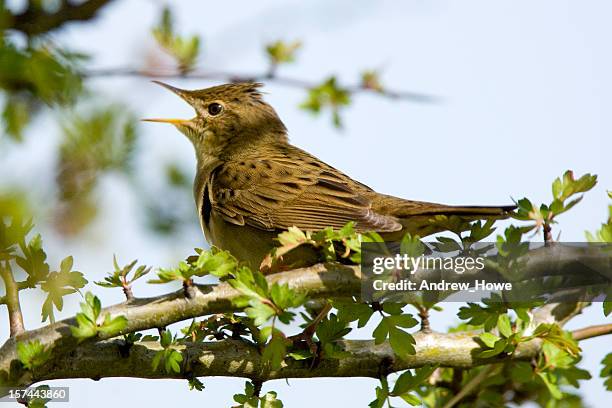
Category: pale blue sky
<point>525,89</point>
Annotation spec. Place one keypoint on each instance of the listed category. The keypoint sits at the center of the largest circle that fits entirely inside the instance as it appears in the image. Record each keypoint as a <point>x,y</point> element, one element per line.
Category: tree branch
<point>264,76</point>
<point>234,358</point>
<point>592,331</point>
<point>320,281</point>
<point>11,299</point>
<point>35,21</point>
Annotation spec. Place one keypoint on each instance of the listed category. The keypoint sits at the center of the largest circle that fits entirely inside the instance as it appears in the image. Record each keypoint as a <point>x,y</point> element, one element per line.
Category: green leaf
<point>112,326</point>
<point>331,329</point>
<point>401,342</point>
<point>251,284</point>
<point>216,262</point>
<point>381,332</point>
<point>553,388</point>
<point>606,371</point>
<point>195,384</point>
<point>328,94</point>
<point>32,354</point>
<point>270,401</point>
<point>185,50</point>
<point>275,351</point>
<point>285,297</point>
<point>478,315</point>
<point>557,188</point>
<point>181,273</point>
<point>168,359</point>
<point>259,312</point>
<point>405,320</point>
<point>488,339</point>
<point>166,339</point>
<point>34,261</point>
<point>119,277</point>
<point>172,361</point>
<point>87,325</point>
<point>15,116</point>
<point>408,381</point>
<point>84,330</point>
<point>498,348</point>
<point>248,399</point>
<point>291,239</point>
<point>504,326</point>
<point>281,52</point>
<point>411,399</point>
<point>480,230</point>
<point>299,355</point>
<point>382,393</point>
<point>351,311</point>
<point>59,284</point>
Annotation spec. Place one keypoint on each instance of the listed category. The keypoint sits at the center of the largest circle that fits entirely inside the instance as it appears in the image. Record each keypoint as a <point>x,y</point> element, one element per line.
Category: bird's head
<point>227,118</point>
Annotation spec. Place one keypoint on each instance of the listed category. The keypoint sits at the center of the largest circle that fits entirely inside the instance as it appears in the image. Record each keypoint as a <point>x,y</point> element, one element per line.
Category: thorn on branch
<point>188,289</point>
<point>124,348</point>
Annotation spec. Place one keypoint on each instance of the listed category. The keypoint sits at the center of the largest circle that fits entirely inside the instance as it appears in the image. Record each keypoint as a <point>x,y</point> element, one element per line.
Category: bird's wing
<point>291,188</point>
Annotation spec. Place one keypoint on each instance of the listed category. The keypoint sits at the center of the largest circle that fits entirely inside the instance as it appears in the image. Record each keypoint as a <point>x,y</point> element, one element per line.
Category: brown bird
<point>251,183</point>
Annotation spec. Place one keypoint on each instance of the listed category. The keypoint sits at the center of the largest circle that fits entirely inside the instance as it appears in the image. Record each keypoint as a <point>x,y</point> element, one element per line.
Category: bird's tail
<point>401,208</point>
<point>420,217</point>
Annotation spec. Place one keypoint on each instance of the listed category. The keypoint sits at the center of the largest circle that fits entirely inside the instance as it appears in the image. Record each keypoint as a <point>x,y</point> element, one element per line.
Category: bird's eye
<point>215,108</point>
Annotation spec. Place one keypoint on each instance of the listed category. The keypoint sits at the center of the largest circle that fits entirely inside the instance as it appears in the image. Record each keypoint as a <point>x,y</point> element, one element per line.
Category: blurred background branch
<point>367,85</point>
<point>36,19</point>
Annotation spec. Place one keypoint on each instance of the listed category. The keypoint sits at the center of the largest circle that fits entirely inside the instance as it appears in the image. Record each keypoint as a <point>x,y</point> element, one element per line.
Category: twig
<point>424,315</point>
<point>264,77</point>
<point>592,331</point>
<point>12,301</point>
<point>470,386</point>
<point>547,230</point>
<point>127,291</point>
<point>257,384</point>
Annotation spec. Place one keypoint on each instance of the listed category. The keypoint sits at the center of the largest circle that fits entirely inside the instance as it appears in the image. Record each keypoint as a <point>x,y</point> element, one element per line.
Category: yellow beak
<point>171,121</point>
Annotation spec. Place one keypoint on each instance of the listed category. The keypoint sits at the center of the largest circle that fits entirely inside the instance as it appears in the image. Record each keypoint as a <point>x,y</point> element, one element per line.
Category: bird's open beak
<point>184,94</point>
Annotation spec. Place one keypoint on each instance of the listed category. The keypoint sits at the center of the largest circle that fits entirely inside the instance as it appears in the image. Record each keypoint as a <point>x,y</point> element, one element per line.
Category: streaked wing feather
<point>280,191</point>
